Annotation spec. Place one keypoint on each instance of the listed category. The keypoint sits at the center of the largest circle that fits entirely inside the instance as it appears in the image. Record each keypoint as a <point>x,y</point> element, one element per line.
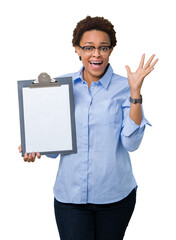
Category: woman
<point>95,190</point>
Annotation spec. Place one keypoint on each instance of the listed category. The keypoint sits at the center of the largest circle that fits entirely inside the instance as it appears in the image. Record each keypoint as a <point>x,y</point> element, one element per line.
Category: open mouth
<point>96,63</point>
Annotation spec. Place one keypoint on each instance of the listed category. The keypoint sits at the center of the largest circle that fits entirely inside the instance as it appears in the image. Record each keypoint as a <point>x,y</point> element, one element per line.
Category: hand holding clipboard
<point>29,157</point>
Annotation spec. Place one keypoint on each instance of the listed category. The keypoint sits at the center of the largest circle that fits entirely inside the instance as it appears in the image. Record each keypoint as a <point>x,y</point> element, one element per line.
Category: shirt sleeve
<point>52,155</point>
<point>132,133</point>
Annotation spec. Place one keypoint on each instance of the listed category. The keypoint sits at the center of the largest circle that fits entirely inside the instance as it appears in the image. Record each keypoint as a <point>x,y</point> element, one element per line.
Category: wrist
<point>136,100</point>
<point>135,94</point>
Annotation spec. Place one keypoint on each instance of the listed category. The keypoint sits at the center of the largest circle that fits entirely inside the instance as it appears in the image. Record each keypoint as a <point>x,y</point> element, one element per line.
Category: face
<point>95,64</point>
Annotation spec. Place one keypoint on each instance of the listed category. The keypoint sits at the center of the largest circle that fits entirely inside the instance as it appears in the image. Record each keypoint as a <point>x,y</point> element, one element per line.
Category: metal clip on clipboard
<point>44,80</point>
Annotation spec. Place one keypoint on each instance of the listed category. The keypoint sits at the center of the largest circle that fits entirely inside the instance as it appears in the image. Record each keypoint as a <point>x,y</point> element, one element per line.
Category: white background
<point>35,37</point>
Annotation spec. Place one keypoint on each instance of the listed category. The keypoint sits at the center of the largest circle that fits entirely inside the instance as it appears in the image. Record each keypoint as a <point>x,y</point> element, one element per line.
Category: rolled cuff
<point>130,126</point>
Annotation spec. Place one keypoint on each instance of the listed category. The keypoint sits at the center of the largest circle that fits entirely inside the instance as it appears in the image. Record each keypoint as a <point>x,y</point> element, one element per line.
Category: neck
<point>89,78</point>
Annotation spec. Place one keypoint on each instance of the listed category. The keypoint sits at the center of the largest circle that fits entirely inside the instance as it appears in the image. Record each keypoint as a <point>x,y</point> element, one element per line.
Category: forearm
<point>136,109</point>
<point>133,125</point>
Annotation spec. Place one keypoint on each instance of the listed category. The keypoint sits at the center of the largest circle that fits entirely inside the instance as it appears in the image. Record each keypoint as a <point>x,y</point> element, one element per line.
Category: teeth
<point>95,62</point>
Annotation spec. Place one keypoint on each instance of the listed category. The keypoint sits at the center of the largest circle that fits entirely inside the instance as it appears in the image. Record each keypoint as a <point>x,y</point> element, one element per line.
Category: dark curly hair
<point>95,23</point>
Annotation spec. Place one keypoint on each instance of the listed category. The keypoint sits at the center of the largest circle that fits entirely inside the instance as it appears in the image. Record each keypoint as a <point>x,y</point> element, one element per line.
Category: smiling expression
<point>95,64</point>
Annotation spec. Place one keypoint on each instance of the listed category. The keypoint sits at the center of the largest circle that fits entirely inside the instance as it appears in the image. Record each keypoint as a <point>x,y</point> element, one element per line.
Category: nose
<point>96,52</point>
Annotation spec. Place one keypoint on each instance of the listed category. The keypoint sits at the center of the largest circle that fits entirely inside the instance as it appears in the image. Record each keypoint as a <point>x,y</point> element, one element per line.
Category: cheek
<point>106,60</point>
<point>85,60</point>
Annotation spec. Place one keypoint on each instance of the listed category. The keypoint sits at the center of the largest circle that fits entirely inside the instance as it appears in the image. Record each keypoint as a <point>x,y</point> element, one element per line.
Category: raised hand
<point>136,79</point>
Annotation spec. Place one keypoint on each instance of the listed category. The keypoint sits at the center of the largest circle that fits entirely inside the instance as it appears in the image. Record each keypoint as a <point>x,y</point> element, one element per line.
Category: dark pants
<point>94,221</point>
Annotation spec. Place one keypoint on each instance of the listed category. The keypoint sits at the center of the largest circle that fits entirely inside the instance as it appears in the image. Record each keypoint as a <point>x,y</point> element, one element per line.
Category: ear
<point>77,50</point>
<point>111,51</point>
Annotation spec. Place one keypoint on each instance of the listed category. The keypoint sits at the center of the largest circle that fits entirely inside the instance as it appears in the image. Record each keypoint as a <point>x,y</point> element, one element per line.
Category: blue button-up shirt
<point>100,172</point>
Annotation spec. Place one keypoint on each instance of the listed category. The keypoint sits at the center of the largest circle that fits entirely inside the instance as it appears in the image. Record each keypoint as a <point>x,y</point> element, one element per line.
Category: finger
<point>128,69</point>
<point>33,157</point>
<point>30,157</point>
<point>20,149</point>
<point>149,71</point>
<point>25,157</point>
<point>38,155</point>
<point>149,61</point>
<point>153,64</point>
<point>142,61</point>
<point>150,68</point>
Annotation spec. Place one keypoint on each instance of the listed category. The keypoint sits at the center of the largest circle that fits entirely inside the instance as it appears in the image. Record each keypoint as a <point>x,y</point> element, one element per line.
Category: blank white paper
<point>47,120</point>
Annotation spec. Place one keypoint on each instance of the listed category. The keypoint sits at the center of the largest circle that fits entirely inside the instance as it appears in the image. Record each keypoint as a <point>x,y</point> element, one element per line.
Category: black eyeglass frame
<point>95,47</point>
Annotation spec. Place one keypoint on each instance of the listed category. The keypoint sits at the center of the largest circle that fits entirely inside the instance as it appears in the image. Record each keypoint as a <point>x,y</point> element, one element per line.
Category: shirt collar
<point>105,80</point>
<point>78,76</point>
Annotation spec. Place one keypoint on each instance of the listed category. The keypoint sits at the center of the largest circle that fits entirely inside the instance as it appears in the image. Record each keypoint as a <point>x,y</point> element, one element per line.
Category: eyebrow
<point>93,43</point>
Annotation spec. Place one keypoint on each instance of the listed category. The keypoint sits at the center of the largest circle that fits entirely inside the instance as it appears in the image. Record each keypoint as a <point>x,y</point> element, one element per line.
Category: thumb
<point>128,69</point>
<point>20,149</point>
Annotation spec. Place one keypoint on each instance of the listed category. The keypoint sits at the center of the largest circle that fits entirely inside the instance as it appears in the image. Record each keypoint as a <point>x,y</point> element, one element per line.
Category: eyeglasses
<point>89,50</point>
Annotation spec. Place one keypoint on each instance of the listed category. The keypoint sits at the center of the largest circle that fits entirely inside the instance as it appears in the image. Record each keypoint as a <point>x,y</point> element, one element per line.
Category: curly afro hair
<point>95,23</point>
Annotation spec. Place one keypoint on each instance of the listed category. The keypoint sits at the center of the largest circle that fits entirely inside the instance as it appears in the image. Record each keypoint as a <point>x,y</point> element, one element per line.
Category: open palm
<point>136,79</point>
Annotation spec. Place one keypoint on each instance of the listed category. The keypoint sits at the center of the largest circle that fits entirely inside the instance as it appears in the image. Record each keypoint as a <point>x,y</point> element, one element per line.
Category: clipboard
<point>46,111</point>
